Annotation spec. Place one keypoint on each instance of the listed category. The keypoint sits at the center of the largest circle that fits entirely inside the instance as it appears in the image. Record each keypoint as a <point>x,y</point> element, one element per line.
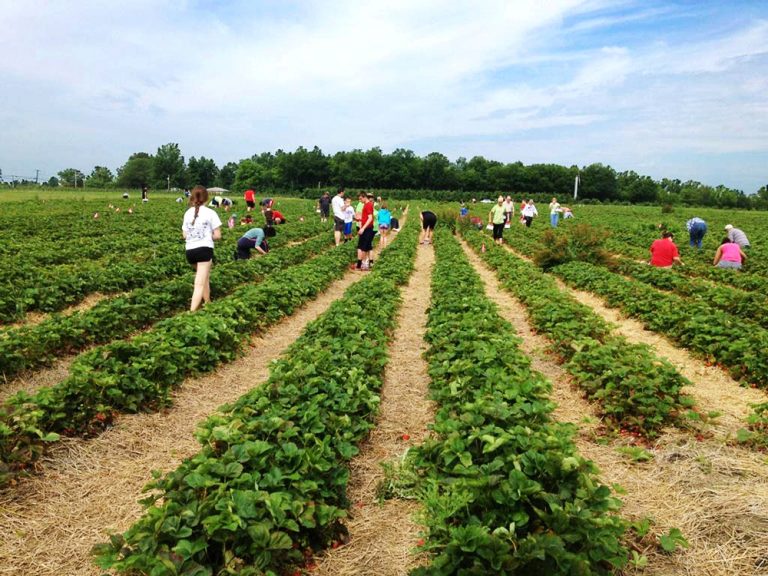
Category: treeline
<point>433,176</point>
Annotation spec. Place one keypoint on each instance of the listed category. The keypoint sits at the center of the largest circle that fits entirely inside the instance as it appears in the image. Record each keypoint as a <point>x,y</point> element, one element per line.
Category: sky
<point>667,89</point>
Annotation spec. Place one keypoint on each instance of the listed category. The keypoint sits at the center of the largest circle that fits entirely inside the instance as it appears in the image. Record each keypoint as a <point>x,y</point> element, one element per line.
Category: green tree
<point>168,169</point>
<point>72,177</point>
<point>53,182</point>
<point>599,182</point>
<point>203,171</point>
<point>226,177</point>
<point>100,177</point>
<point>635,188</point>
<point>136,172</point>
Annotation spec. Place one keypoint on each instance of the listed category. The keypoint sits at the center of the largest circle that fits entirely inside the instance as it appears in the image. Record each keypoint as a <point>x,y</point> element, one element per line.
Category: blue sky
<point>675,89</point>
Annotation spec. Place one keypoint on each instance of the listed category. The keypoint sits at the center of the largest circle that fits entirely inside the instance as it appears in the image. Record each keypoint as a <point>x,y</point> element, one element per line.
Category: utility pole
<point>169,183</point>
<point>37,174</point>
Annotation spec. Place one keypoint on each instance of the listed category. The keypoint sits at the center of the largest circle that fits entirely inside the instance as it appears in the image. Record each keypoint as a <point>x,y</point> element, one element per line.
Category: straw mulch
<point>88,489</point>
<point>382,537</point>
<point>713,389</point>
<point>716,494</point>
<point>34,317</point>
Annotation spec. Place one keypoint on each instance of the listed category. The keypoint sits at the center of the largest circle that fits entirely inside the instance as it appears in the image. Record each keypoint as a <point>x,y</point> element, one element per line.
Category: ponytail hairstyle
<point>198,197</point>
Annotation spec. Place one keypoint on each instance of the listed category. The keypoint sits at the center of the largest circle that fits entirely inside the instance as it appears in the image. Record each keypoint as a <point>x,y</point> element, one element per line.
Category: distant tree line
<point>434,176</point>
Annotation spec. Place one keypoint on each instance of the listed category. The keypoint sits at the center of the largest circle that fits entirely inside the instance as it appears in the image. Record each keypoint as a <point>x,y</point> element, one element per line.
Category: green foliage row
<point>269,483</point>
<point>128,376</point>
<point>634,389</point>
<point>712,334</point>
<point>504,489</point>
<point>751,306</point>
<point>32,346</point>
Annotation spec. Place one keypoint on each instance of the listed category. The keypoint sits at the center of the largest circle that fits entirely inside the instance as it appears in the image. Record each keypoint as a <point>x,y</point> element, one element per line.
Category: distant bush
<point>667,209</point>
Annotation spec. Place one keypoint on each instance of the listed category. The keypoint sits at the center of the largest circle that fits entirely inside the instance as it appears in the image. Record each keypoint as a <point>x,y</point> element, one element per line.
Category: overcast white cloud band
<point>666,89</point>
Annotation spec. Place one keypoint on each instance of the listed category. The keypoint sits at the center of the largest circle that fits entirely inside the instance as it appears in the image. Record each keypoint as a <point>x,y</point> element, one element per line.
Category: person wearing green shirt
<point>498,217</point>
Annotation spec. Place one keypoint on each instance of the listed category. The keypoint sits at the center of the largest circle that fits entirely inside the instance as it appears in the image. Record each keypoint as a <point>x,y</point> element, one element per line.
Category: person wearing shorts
<point>337,204</point>
<point>200,227</point>
<point>385,222</point>
<point>428,223</point>
<point>250,199</point>
<point>324,205</point>
<point>349,219</point>
<point>365,236</point>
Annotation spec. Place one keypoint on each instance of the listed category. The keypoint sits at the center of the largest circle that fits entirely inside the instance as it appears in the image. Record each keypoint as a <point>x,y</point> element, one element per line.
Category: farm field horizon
<point>457,409</point>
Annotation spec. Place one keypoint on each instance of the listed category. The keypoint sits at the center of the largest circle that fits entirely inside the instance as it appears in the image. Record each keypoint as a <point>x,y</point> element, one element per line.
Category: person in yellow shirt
<point>498,217</point>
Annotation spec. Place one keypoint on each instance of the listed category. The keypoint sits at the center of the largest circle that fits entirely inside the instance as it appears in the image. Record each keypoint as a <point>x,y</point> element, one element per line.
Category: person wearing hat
<point>737,236</point>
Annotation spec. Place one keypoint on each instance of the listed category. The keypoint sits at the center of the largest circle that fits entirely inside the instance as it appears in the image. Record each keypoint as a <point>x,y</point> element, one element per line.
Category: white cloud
<point>90,82</point>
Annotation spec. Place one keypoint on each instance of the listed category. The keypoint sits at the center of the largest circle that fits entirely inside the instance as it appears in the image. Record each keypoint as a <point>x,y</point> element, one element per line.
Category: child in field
<point>349,218</point>
<point>385,221</point>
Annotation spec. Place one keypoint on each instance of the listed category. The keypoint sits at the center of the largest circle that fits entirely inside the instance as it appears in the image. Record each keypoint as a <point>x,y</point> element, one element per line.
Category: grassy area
<point>71,194</point>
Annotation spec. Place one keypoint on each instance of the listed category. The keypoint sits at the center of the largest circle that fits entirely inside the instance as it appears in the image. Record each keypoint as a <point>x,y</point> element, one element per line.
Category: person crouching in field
<point>664,252</point>
<point>255,238</point>
<point>729,255</point>
<point>200,227</point>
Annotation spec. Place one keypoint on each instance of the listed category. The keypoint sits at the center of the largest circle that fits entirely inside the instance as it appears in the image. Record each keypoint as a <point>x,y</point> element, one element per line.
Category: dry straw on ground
<point>715,493</point>
<point>87,489</point>
<point>382,536</point>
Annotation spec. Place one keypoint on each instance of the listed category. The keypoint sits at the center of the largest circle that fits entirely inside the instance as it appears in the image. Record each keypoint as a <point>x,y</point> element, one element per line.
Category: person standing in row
<point>337,204</point>
<point>250,199</point>
<point>365,235</point>
<point>324,204</point>
<point>729,255</point>
<point>349,219</point>
<point>497,217</point>
<point>200,227</point>
<point>554,212</point>
<point>697,228</point>
<point>529,213</point>
<point>664,252</point>
<point>428,223</point>
<point>509,211</point>
<point>385,222</point>
<point>738,236</point>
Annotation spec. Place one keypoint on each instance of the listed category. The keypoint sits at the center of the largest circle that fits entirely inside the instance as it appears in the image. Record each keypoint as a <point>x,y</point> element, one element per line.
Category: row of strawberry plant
<point>128,376</point>
<point>504,488</point>
<point>32,346</point>
<point>717,336</point>
<point>50,290</point>
<point>269,484</point>
<point>634,389</point>
<point>752,306</point>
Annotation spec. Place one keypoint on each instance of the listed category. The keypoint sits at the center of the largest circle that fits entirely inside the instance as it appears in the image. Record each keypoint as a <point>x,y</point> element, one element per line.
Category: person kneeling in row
<point>255,238</point>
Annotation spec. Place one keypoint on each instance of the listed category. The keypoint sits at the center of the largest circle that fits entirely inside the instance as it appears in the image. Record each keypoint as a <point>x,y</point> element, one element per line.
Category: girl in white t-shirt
<point>200,227</point>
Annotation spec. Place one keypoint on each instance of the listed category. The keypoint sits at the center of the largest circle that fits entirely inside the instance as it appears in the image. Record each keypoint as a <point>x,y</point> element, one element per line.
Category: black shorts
<point>365,241</point>
<point>202,254</point>
<point>428,220</point>
<point>498,231</point>
<point>324,212</point>
<point>338,224</point>
<point>250,203</point>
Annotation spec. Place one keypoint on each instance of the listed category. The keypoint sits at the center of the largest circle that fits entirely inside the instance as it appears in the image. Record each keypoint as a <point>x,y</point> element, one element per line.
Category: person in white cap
<point>738,236</point>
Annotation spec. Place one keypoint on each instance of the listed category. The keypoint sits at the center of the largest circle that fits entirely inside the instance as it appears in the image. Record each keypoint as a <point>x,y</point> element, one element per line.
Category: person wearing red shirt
<point>365,234</point>
<point>664,252</point>
<point>250,199</point>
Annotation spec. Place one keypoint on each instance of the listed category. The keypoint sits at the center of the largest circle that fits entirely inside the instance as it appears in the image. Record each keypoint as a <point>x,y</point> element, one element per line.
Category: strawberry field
<point>455,410</point>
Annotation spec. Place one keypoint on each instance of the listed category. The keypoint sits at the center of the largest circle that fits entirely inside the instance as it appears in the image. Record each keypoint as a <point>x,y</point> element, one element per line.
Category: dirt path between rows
<point>383,536</point>
<point>49,523</point>
<point>713,388</point>
<point>716,494</point>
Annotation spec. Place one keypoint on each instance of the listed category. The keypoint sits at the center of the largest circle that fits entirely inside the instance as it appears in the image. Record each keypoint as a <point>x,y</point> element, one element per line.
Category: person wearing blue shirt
<point>253,238</point>
<point>385,223</point>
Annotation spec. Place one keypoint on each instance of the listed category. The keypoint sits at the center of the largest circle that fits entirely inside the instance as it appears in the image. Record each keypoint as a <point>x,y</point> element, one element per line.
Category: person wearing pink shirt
<point>729,255</point>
